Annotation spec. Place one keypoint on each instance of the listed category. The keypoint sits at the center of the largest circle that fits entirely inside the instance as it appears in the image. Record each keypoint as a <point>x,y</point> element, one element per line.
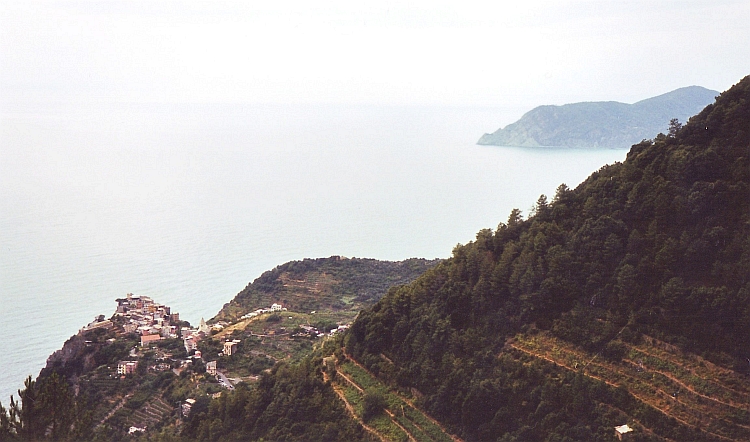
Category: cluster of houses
<point>274,308</point>
<point>98,322</point>
<point>191,336</point>
<point>308,330</point>
<point>151,320</point>
<point>339,329</point>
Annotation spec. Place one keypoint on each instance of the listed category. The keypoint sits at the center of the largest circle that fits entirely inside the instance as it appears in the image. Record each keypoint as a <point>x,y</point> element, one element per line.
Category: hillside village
<point>152,341</point>
<point>146,372</point>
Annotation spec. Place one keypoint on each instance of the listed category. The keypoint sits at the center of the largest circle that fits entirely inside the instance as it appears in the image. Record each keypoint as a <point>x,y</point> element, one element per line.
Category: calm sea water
<point>189,203</point>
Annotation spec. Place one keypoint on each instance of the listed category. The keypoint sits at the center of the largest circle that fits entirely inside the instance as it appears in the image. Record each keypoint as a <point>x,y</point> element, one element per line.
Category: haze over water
<point>189,203</point>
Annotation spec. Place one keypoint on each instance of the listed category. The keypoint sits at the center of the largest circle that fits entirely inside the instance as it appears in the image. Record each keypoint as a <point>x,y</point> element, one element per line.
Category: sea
<point>188,203</point>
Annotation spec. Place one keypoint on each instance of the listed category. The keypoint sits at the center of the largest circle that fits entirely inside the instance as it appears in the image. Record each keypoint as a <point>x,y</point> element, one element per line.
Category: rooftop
<point>622,429</point>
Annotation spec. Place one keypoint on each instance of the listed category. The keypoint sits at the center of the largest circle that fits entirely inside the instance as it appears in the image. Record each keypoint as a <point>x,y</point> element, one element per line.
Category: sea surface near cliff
<point>189,203</point>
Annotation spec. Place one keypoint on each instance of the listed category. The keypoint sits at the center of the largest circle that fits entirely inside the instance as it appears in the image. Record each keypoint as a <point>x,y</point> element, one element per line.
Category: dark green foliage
<point>373,404</point>
<point>138,399</point>
<point>324,325</point>
<point>658,244</point>
<point>110,354</point>
<point>290,403</point>
<point>172,345</point>
<point>674,127</point>
<point>47,409</point>
<point>258,364</point>
<point>333,280</point>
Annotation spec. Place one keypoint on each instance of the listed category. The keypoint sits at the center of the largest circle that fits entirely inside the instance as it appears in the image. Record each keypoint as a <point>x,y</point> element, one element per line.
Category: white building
<point>203,327</point>
<point>229,347</point>
<point>187,406</point>
<point>623,432</point>
<point>134,430</point>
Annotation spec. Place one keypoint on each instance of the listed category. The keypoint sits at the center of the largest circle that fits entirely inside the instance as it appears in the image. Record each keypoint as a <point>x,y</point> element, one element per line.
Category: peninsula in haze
<point>601,124</point>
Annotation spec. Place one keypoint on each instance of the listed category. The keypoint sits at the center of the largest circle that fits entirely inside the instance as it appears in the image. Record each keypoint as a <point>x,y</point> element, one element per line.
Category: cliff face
<point>601,124</point>
<point>74,358</point>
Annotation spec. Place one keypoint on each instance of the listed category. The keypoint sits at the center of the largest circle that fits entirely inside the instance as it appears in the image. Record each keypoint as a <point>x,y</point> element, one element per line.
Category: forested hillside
<point>623,301</point>
<point>533,331</point>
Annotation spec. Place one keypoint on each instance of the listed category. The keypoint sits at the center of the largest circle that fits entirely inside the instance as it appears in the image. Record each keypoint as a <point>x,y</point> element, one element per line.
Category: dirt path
<point>351,411</point>
<point>114,410</point>
<point>671,351</point>
<point>393,419</point>
<point>705,376</point>
<point>419,427</point>
<point>567,367</point>
<point>408,401</point>
<point>350,381</point>
<point>635,395</point>
<point>645,428</point>
<point>689,388</point>
<point>695,407</point>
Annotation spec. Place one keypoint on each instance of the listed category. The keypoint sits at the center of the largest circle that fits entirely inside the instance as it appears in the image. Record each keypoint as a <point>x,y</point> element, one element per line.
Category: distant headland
<point>601,124</point>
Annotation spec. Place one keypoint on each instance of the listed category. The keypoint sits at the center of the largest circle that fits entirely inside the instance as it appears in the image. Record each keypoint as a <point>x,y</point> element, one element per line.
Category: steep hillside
<point>606,124</point>
<point>335,283</point>
<point>622,301</point>
<point>87,393</point>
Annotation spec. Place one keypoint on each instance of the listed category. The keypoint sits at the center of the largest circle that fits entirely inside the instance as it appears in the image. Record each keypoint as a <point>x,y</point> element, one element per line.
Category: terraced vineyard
<point>151,413</point>
<point>400,420</point>
<point>682,386</point>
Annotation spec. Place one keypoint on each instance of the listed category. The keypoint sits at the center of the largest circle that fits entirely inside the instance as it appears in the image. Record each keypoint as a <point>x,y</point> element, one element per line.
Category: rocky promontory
<point>601,124</point>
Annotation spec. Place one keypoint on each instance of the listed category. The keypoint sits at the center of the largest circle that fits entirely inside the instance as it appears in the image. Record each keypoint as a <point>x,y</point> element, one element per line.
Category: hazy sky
<point>520,53</point>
